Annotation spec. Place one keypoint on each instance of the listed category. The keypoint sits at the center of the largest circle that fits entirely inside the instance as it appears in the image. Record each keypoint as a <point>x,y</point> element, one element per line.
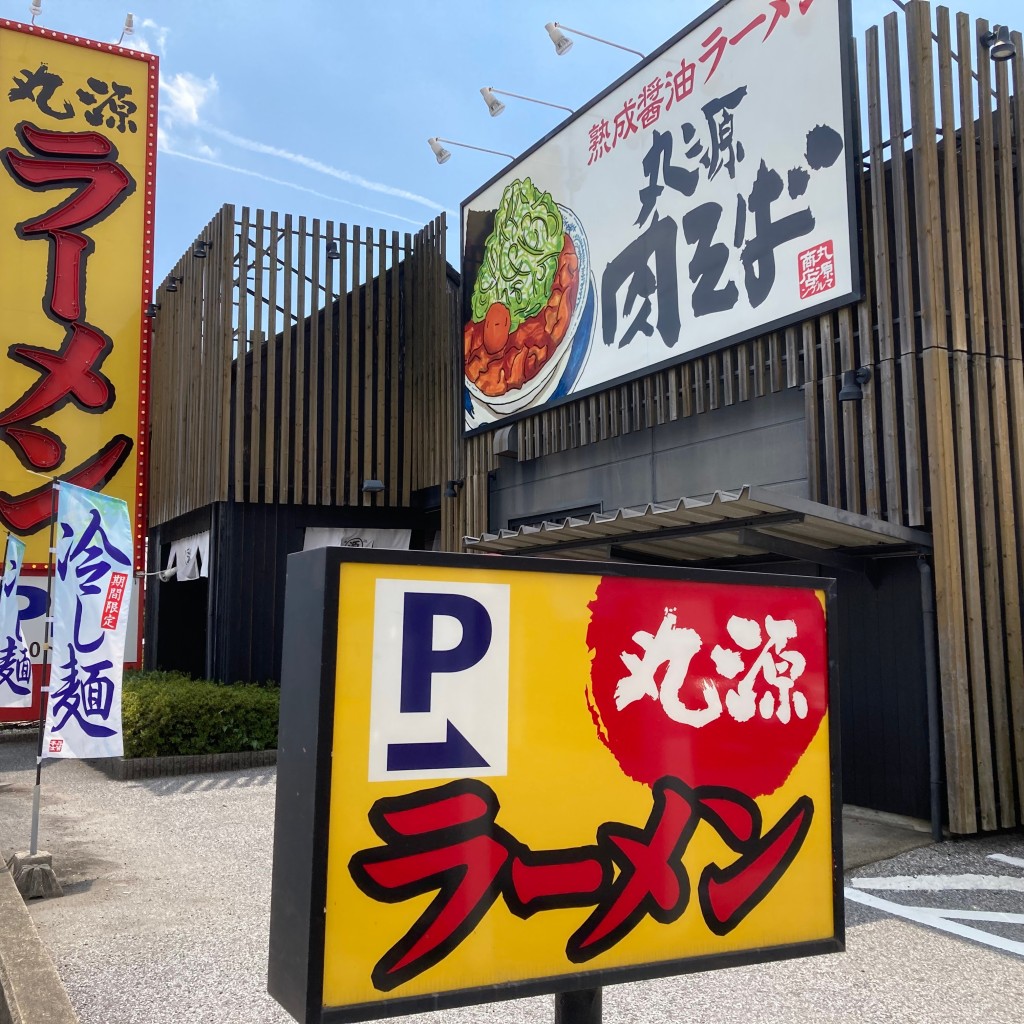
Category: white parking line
<point>940,919</point>
<point>1017,862</point>
<point>942,883</point>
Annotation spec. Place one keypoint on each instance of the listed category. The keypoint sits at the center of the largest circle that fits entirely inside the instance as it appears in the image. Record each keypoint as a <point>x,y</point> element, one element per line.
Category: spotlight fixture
<point>998,43</point>
<point>562,44</point>
<point>151,309</point>
<point>129,28</point>
<point>373,486</point>
<point>452,488</point>
<point>201,251</point>
<point>36,9</point>
<point>172,283</point>
<point>495,106</point>
<point>852,383</point>
<point>443,155</point>
<point>333,252</point>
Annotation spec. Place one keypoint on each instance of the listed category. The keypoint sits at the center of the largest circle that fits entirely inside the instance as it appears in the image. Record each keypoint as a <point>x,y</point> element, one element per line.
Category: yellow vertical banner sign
<point>77,166</point>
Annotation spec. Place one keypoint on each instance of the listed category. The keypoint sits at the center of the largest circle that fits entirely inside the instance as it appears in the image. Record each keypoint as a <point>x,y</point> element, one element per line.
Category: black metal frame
<point>851,156</point>
<point>301,823</point>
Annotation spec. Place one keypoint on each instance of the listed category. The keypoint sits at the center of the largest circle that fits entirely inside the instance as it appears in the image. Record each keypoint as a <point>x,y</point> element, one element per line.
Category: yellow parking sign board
<point>534,776</point>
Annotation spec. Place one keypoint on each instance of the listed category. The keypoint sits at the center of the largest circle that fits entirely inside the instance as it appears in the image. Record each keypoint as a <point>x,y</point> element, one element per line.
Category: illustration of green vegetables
<point>520,255</point>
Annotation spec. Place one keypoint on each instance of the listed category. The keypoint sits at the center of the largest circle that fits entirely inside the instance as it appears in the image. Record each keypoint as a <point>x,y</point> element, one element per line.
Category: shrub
<point>166,713</point>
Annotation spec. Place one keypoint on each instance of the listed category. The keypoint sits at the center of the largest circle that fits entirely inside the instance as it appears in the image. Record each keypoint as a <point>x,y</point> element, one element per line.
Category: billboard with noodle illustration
<point>706,197</point>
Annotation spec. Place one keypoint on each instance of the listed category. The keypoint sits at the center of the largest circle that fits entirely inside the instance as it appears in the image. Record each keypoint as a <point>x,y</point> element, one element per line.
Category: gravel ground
<point>166,915</point>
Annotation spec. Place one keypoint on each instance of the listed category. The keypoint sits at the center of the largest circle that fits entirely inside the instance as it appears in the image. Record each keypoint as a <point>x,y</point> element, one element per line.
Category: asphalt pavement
<point>166,913</point>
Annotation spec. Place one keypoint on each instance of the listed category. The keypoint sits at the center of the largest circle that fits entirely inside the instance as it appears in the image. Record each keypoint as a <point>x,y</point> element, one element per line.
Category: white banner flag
<point>15,664</point>
<point>91,592</point>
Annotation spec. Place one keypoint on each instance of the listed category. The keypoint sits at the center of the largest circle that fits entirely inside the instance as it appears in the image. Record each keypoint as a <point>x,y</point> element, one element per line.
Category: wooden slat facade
<point>938,441</point>
<point>286,377</point>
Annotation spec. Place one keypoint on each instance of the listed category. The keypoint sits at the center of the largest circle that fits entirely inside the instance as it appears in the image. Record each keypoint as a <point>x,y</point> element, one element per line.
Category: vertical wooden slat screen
<point>241,337</point>
<point>938,417</point>
<point>1014,371</point>
<point>271,420</point>
<point>964,439</point>
<point>312,460</point>
<point>287,425</point>
<point>285,375</point>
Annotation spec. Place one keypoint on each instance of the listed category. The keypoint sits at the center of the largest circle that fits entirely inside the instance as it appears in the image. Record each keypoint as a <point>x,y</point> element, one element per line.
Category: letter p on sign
<point>439,701</point>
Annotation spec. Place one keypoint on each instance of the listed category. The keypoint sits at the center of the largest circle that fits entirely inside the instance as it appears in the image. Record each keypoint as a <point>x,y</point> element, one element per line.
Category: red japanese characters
<point>717,685</point>
<point>88,163</point>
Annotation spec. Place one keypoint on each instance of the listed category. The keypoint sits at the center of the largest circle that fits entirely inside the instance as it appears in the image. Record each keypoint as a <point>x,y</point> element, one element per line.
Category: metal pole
<point>580,1007</point>
<point>931,678</point>
<point>44,688</point>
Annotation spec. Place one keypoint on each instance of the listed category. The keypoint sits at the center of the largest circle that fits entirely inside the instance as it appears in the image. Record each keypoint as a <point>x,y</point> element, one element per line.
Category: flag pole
<point>44,688</point>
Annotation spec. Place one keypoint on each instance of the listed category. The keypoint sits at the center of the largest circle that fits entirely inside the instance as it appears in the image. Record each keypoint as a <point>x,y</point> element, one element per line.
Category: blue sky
<point>324,108</point>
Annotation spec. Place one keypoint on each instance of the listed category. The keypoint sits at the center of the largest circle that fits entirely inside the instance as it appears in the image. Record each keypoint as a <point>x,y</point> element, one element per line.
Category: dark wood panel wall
<point>938,440</point>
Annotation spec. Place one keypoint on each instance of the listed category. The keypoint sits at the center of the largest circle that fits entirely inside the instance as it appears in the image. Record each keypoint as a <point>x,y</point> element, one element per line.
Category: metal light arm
<point>530,99</point>
<point>479,149</point>
<point>607,42</point>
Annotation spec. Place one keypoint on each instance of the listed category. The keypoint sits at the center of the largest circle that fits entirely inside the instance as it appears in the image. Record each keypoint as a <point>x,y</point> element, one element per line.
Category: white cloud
<point>183,95</point>
<point>166,148</point>
<point>315,165</point>
<point>159,31</point>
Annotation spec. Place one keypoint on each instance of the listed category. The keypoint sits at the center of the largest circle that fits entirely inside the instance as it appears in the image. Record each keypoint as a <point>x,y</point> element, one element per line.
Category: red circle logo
<point>714,684</point>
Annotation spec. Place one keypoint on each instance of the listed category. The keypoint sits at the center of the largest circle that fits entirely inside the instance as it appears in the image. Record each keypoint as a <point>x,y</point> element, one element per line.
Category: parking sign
<point>499,777</point>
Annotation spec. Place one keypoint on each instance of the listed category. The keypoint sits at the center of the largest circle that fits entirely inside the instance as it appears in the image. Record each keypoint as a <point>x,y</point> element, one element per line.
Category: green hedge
<point>166,713</point>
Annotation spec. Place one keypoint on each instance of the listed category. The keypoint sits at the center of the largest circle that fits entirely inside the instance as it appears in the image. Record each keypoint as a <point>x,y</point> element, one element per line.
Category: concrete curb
<point>126,769</point>
<point>31,991</point>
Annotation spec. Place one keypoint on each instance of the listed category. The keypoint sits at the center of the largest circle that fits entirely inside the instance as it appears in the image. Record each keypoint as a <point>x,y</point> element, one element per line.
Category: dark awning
<point>749,523</point>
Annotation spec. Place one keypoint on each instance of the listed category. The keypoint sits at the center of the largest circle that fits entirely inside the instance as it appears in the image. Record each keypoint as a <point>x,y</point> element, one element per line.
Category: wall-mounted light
<point>36,9</point>
<point>172,283</point>
<point>333,252</point>
<point>452,488</point>
<point>151,309</point>
<point>201,250</point>
<point>443,155</point>
<point>998,43</point>
<point>440,152</point>
<point>373,486</point>
<point>129,28</point>
<point>495,106</point>
<point>853,380</point>
<point>563,44</point>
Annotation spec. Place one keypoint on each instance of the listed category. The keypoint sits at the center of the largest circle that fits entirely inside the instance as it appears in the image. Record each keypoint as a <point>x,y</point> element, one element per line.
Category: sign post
<point>506,777</point>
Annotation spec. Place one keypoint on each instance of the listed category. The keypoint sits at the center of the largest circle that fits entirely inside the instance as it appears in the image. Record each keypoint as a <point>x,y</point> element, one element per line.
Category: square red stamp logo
<point>817,269</point>
<point>56,746</point>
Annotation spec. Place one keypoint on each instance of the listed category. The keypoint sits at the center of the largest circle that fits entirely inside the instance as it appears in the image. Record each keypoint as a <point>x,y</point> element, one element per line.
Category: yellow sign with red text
<point>539,774</point>
<point>77,162</point>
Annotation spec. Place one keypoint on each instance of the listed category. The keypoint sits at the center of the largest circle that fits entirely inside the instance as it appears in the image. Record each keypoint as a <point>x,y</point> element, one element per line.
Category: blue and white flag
<point>91,597</point>
<point>15,664</point>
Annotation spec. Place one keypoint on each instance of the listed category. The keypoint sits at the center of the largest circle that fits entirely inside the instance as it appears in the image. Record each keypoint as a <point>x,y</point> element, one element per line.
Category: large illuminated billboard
<point>706,197</point>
